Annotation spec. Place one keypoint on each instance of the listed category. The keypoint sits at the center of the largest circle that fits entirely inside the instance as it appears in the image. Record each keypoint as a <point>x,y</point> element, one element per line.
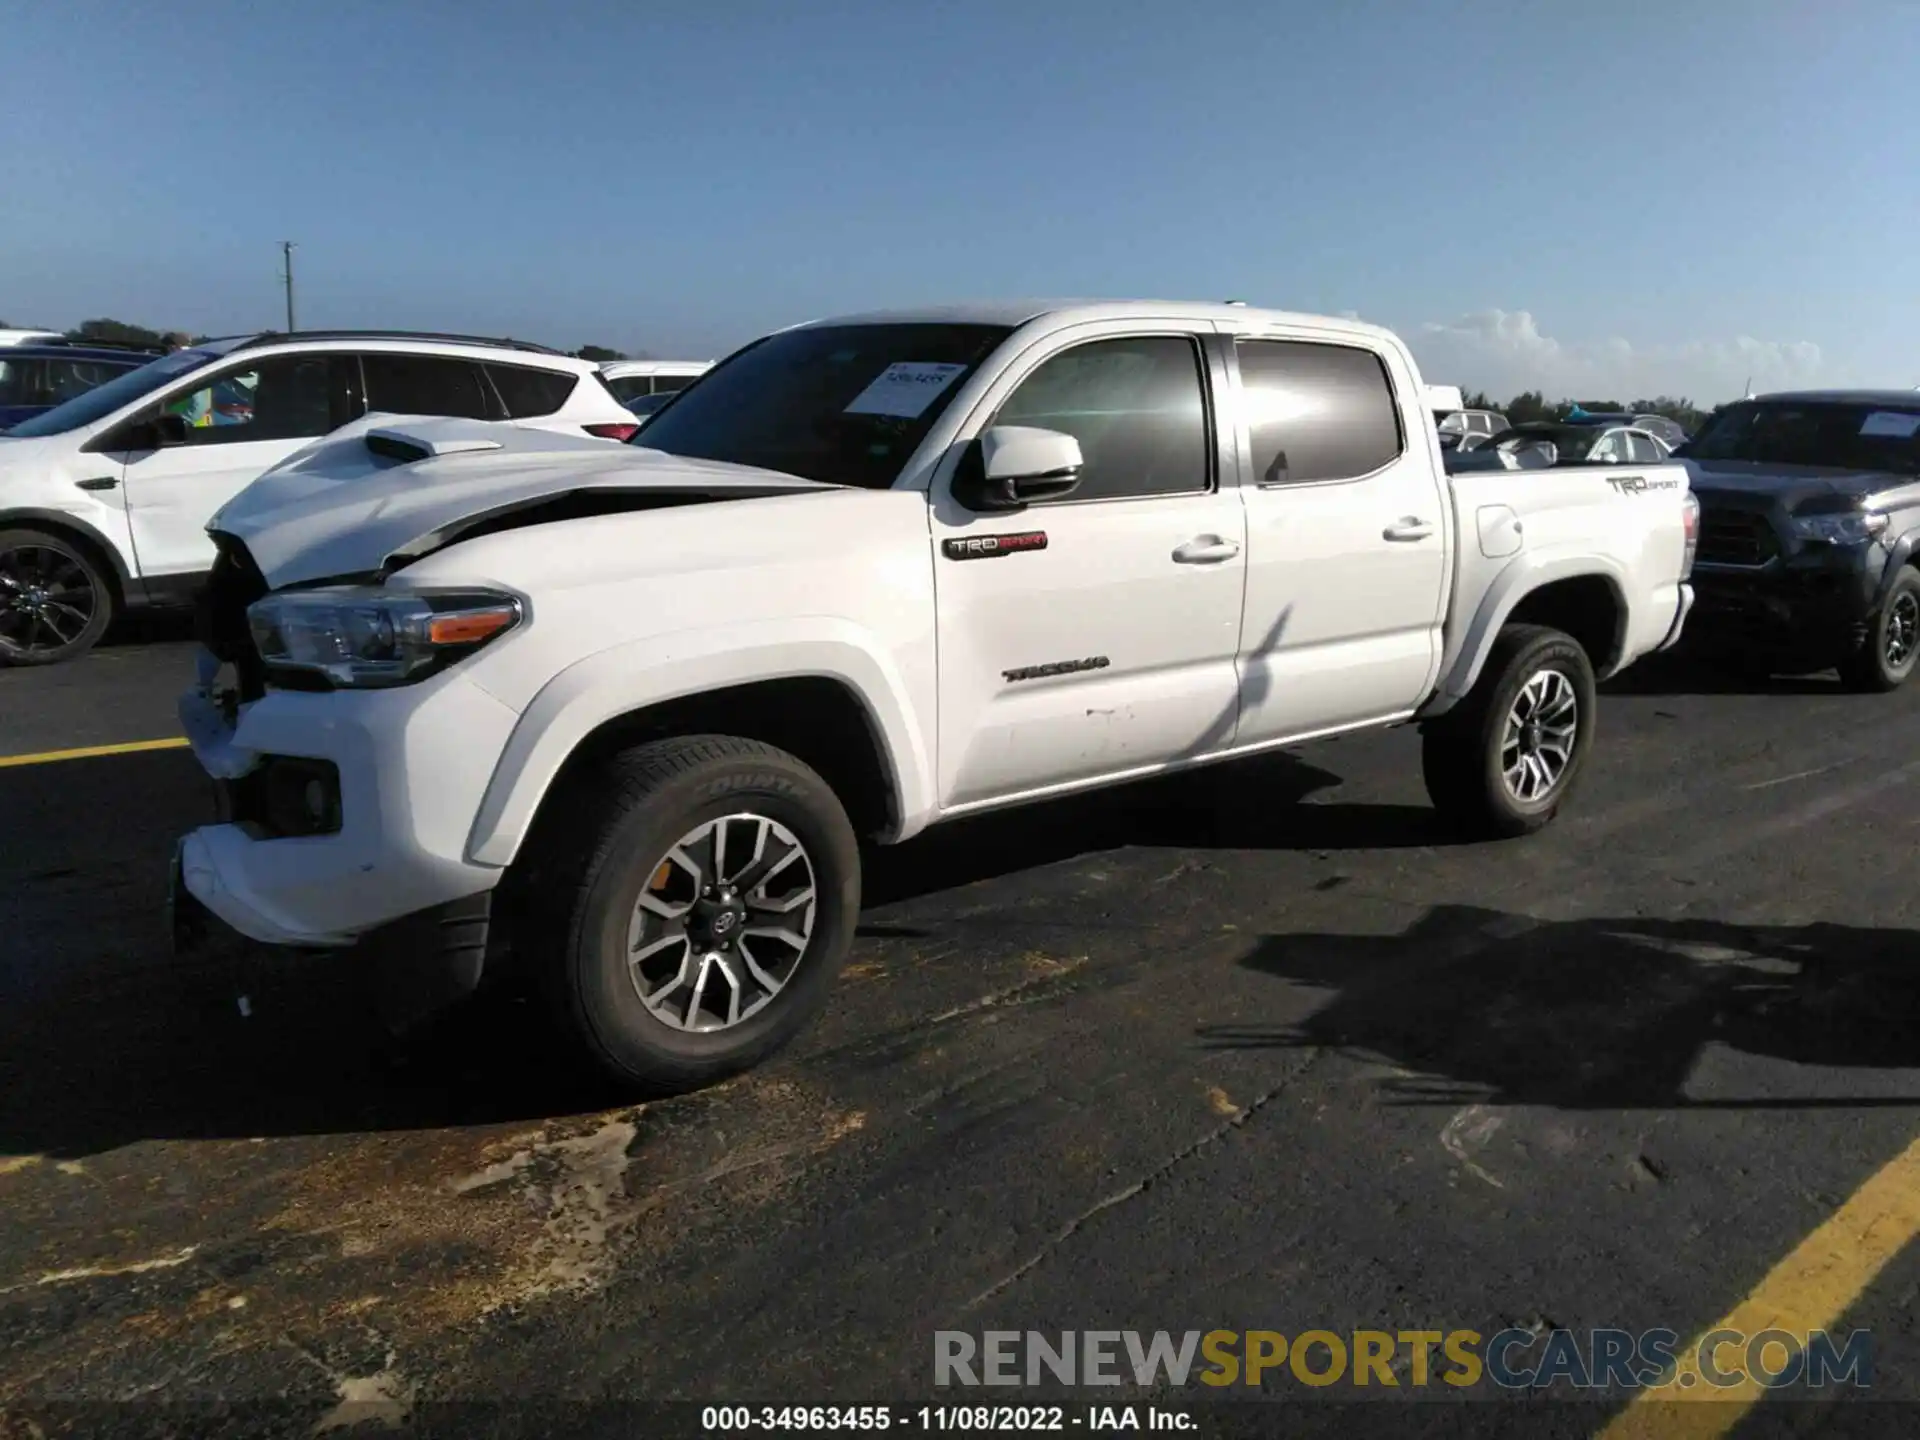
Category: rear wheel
<point>55,603</point>
<point>716,888</point>
<point>1886,656</point>
<point>1501,762</point>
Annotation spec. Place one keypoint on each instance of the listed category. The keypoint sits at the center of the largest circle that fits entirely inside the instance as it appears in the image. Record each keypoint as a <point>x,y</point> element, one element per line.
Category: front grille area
<point>1735,537</point>
<point>220,617</point>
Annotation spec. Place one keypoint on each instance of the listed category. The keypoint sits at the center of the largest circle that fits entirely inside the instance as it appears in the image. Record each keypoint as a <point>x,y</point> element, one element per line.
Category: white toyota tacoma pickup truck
<point>626,713</point>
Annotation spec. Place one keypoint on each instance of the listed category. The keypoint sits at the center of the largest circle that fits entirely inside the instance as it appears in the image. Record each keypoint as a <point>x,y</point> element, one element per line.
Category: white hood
<point>339,508</point>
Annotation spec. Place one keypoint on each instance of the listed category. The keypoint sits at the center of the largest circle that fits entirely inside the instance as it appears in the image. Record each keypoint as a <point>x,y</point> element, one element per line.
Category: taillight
<point>617,430</point>
<point>1690,523</point>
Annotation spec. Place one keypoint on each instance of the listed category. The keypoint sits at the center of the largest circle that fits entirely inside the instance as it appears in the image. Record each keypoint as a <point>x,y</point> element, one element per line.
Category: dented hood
<point>358,501</point>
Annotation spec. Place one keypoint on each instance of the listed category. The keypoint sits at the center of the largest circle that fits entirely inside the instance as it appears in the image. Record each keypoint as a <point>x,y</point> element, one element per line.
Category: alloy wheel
<point>47,599</point>
<point>1536,745</point>
<point>723,923</point>
<point>1903,629</point>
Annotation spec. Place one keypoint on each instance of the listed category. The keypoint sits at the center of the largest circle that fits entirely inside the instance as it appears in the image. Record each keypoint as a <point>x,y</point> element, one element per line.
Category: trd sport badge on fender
<point>985,547</point>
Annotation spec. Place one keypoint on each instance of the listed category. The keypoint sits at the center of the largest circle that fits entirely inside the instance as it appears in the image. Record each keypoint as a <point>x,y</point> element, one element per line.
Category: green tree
<point>1526,406</point>
<point>117,332</point>
<point>599,354</point>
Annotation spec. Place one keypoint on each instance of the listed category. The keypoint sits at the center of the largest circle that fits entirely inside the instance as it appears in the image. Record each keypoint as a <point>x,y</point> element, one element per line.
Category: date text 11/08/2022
<point>943,1417</point>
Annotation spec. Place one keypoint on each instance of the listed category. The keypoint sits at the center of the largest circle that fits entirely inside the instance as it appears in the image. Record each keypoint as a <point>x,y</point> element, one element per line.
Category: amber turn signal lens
<point>468,626</point>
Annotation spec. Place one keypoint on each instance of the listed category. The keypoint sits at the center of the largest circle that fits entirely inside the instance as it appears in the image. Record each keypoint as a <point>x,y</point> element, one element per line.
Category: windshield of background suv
<point>842,404</point>
<point>97,404</point>
<point>1838,435</point>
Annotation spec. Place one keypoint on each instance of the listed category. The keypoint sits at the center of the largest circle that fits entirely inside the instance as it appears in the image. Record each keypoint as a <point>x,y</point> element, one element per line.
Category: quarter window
<point>1317,412</point>
<point>1135,405</point>
<point>529,393</point>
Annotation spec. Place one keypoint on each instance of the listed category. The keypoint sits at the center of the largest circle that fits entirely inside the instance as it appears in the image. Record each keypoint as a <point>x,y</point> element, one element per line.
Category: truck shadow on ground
<point>107,1039</point>
<point>1272,802</point>
<point>1600,1014</point>
<point>1702,671</point>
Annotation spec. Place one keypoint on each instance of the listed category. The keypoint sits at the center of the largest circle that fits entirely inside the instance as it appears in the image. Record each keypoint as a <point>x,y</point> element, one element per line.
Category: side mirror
<point>160,432</point>
<point>1012,466</point>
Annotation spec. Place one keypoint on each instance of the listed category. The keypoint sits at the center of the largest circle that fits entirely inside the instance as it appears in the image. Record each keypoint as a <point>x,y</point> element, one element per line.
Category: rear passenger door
<point>1346,537</point>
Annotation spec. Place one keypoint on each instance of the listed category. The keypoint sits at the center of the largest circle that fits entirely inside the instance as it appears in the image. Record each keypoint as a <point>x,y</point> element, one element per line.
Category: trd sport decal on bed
<point>1057,667</point>
<point>1640,484</point>
<point>985,547</point>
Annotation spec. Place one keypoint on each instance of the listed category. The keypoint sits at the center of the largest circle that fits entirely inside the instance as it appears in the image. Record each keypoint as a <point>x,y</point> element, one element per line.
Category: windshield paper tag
<point>904,389</point>
<point>1897,424</point>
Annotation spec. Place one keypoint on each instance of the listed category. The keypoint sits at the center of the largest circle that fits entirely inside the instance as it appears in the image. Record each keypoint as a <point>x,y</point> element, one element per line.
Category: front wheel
<point>716,889</point>
<point>1501,763</point>
<point>1885,658</point>
<point>54,602</point>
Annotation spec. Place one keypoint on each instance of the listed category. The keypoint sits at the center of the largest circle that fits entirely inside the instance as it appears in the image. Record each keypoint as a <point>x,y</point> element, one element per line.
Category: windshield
<point>1827,433</point>
<point>97,404</point>
<point>843,404</point>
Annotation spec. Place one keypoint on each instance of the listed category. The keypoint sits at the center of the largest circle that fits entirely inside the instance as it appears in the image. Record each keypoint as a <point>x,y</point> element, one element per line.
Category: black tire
<point>55,601</point>
<point>1461,752</point>
<point>615,830</point>
<point>1885,658</point>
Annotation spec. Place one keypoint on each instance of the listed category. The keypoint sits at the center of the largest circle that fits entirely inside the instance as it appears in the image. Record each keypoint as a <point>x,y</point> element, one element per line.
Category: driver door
<point>1096,636</point>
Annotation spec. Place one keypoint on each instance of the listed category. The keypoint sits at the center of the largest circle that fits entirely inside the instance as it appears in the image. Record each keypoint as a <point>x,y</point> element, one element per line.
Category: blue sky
<point>1588,198</point>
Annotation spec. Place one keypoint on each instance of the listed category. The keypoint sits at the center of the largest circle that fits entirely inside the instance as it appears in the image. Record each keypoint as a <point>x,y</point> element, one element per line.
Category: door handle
<point>1206,550</point>
<point>105,482</point>
<point>1410,527</point>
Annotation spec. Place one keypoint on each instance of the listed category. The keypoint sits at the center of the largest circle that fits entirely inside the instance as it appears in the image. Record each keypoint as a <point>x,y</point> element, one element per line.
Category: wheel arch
<point>837,708</point>
<point>1584,596</point>
<point>75,531</point>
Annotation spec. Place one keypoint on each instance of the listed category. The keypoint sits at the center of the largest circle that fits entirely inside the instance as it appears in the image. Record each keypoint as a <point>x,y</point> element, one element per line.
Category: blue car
<point>35,378</point>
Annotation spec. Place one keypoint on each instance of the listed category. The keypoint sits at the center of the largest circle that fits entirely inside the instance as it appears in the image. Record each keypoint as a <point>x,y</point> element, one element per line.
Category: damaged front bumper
<point>341,813</point>
<point>343,822</point>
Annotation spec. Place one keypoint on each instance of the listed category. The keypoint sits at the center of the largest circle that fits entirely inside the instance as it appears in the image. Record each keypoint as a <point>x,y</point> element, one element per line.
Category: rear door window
<point>428,385</point>
<point>1317,411</point>
<point>1643,450</point>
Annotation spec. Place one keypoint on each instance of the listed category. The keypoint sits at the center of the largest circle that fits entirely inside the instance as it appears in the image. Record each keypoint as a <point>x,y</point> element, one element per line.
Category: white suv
<point>104,500</point>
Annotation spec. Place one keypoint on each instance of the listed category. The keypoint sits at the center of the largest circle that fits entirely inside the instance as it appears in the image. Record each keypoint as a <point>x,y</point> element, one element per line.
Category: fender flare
<point>640,674</point>
<point>61,520</point>
<point>1524,574</point>
<point>1898,554</point>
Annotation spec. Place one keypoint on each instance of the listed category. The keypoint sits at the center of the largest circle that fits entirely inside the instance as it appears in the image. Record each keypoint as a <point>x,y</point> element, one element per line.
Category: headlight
<point>362,637</point>
<point>1846,528</point>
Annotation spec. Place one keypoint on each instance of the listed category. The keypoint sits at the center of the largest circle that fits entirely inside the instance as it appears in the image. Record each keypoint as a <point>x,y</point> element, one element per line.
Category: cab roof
<point>1015,313</point>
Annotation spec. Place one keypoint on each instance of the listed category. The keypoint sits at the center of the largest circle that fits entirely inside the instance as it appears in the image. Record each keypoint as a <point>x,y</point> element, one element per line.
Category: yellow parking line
<point>87,752</point>
<point>1812,1289</point>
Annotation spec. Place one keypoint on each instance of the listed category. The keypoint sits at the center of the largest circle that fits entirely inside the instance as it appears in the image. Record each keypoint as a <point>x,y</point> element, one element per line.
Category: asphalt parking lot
<point>1254,1049</point>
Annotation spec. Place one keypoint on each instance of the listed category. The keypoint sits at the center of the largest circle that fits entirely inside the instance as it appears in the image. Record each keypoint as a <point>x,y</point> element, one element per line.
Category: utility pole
<point>286,254</point>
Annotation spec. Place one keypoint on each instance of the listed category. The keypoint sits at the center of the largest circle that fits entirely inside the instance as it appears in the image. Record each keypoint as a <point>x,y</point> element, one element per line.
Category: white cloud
<point>1503,352</point>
